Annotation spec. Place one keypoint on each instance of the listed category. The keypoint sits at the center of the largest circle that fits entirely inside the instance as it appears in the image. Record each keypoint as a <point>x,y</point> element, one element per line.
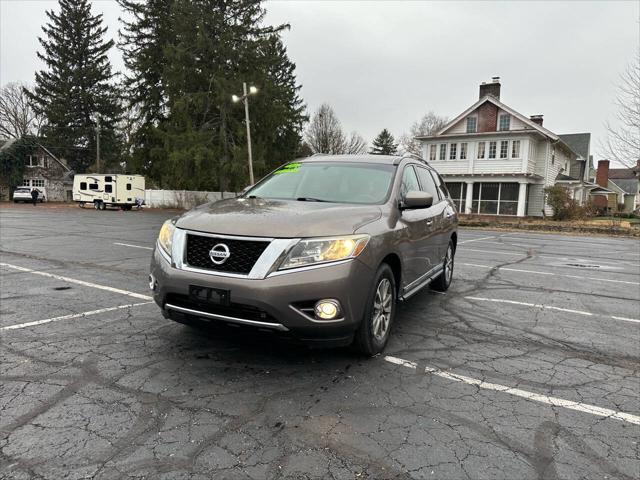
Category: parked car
<point>322,248</point>
<point>23,194</point>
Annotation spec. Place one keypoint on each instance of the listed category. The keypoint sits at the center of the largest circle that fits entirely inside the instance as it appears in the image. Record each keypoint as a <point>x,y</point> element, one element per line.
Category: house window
<point>463,151</point>
<point>481,149</point>
<point>37,182</point>
<point>34,161</point>
<point>504,149</point>
<point>83,185</point>
<point>432,152</point>
<point>26,183</point>
<point>443,151</point>
<point>515,149</point>
<point>492,149</point>
<point>505,122</point>
<point>458,193</point>
<point>472,124</point>
<point>453,147</point>
<point>495,198</point>
<point>93,186</point>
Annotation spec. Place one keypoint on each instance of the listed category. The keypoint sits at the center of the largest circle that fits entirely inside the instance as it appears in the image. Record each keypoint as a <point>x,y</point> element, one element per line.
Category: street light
<point>245,98</point>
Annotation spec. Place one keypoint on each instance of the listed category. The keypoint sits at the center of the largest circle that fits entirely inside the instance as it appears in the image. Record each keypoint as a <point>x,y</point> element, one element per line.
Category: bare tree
<point>623,138</point>
<point>355,144</point>
<point>324,134</point>
<point>429,124</point>
<point>17,118</point>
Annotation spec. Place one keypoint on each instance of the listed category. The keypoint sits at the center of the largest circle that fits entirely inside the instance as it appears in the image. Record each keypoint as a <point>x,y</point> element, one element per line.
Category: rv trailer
<point>104,190</point>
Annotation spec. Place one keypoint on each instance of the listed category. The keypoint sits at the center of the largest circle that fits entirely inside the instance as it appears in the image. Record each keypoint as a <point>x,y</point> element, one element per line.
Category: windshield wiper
<point>311,199</point>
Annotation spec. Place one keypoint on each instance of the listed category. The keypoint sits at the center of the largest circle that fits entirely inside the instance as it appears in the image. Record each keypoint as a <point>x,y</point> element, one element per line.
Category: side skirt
<point>420,283</point>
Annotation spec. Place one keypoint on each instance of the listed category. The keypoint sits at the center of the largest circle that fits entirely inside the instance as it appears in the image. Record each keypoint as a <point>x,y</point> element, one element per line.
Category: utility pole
<point>246,114</point>
<point>245,98</point>
<point>98,144</point>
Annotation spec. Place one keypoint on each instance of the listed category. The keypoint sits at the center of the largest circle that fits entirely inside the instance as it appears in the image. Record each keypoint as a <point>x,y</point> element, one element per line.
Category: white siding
<point>460,127</point>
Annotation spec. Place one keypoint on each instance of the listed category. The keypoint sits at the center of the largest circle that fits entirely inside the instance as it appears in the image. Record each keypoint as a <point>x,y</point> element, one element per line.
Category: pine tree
<point>184,72</point>
<point>76,88</point>
<point>384,144</point>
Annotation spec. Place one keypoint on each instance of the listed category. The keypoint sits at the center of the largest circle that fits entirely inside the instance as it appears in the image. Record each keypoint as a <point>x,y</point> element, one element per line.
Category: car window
<point>339,182</point>
<point>427,184</point>
<point>442,187</point>
<point>409,181</point>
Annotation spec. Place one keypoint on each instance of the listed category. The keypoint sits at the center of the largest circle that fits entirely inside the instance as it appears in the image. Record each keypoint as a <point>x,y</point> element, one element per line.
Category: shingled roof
<point>578,142</point>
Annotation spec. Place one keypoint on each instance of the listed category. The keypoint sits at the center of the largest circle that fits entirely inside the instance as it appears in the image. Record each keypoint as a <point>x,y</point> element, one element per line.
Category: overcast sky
<point>384,64</point>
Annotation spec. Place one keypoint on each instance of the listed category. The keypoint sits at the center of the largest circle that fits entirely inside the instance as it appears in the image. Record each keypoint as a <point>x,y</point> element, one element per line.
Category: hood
<point>259,217</point>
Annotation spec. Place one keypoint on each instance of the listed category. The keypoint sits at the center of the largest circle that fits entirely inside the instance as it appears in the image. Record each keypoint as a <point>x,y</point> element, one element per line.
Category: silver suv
<point>322,248</point>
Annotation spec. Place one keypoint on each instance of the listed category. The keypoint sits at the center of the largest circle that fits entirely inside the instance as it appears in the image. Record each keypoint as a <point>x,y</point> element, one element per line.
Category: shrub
<point>564,207</point>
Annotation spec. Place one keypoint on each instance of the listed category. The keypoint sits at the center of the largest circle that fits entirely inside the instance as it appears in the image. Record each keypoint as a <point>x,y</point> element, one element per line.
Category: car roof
<point>360,158</point>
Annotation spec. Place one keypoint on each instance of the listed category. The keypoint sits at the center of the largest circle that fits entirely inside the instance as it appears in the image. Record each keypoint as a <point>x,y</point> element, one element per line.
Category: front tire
<point>373,334</point>
<point>441,284</point>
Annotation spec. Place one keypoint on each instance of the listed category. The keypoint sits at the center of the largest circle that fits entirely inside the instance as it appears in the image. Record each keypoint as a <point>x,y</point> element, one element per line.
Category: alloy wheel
<point>448,265</point>
<point>382,305</point>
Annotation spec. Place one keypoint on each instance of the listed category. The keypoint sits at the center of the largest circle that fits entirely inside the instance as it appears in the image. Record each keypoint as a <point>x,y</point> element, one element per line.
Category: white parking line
<point>78,282</point>
<point>68,317</point>
<point>535,397</point>
<point>549,307</point>
<point>537,272</point>
<point>475,240</point>
<point>132,246</point>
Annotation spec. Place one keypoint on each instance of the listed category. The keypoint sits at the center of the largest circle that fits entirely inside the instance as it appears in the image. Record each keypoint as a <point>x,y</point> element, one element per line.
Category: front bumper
<point>278,296</point>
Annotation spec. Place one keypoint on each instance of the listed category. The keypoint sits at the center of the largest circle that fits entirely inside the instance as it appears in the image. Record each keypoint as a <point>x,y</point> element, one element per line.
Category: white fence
<point>182,198</point>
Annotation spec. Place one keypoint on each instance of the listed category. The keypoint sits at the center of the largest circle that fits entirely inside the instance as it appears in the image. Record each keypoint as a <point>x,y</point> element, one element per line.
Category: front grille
<point>237,310</point>
<point>243,254</point>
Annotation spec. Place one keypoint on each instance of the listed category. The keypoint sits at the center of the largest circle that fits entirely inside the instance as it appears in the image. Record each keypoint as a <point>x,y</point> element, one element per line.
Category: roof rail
<point>415,157</point>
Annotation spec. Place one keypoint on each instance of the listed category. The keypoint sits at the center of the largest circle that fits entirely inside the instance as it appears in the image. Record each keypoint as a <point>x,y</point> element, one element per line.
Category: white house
<point>496,161</point>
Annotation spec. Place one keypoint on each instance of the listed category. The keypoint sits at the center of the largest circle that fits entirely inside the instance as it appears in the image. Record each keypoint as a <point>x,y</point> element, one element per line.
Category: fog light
<point>327,309</point>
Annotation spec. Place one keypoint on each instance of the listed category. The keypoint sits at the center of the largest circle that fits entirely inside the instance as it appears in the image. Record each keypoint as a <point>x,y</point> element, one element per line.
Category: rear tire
<point>373,334</point>
<point>441,284</point>
<point>81,204</point>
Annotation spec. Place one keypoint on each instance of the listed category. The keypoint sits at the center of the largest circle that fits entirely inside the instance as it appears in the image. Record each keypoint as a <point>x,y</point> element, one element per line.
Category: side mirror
<point>416,199</point>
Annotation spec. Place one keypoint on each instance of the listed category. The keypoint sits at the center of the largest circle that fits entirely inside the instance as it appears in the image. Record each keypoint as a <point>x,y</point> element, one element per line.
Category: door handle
<point>429,222</point>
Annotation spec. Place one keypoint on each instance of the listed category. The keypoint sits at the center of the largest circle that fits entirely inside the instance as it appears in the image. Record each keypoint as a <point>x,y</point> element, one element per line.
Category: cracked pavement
<point>127,394</point>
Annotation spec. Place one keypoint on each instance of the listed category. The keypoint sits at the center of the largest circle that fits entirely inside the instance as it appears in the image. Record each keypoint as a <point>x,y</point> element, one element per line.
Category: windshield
<point>339,182</point>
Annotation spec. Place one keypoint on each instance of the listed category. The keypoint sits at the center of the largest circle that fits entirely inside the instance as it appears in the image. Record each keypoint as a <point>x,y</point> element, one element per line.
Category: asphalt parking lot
<point>528,368</point>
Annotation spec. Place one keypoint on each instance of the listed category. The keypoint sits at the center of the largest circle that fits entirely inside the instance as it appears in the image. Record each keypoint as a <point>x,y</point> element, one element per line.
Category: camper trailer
<point>103,190</point>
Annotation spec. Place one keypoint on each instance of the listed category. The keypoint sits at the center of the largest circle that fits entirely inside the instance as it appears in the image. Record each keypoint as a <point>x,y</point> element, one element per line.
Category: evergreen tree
<point>75,89</point>
<point>184,71</point>
<point>384,144</point>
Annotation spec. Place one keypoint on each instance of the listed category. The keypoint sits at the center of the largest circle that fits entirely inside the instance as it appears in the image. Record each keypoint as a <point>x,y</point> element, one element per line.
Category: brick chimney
<point>536,119</point>
<point>492,88</point>
<point>602,174</point>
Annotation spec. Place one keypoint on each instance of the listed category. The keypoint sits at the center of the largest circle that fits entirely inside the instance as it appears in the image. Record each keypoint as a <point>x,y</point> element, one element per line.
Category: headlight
<point>165,238</point>
<point>322,250</point>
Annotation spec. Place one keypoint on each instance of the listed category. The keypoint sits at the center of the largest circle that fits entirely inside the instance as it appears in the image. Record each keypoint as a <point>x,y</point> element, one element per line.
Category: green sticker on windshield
<point>290,168</point>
